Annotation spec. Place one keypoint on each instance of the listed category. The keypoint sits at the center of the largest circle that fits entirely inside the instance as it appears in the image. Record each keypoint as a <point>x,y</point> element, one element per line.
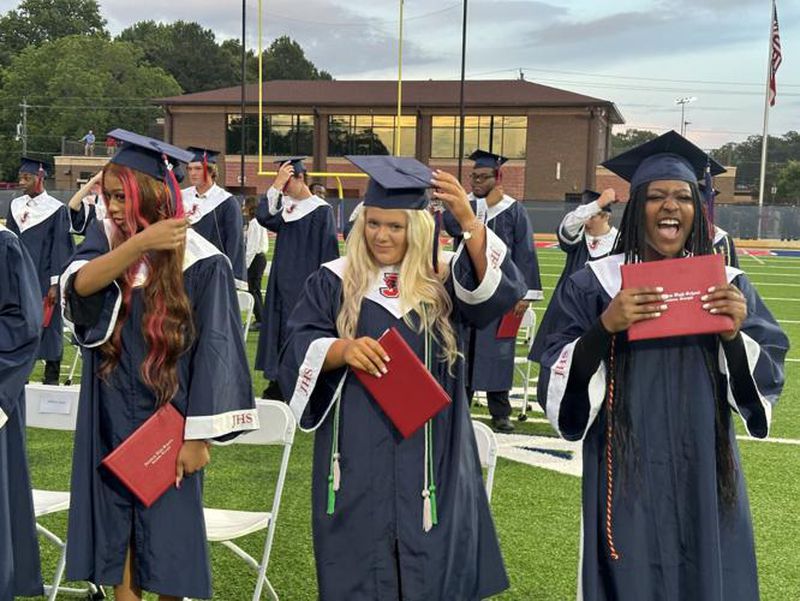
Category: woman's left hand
<point>448,189</point>
<point>726,300</point>
<point>193,457</point>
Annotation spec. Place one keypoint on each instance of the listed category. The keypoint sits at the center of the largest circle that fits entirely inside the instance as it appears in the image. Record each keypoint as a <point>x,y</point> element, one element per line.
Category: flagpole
<point>765,135</point>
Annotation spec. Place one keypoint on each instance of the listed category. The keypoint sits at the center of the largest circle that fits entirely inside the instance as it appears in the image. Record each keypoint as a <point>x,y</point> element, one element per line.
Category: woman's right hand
<point>366,354</point>
<point>168,234</point>
<point>632,305</point>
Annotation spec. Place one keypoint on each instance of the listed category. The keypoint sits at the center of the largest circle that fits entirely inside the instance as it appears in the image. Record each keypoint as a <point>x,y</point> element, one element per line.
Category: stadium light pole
<point>244,83</point>
<point>683,102</point>
<point>461,99</point>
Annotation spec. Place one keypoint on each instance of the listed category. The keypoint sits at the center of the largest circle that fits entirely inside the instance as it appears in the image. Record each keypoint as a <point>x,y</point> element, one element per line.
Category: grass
<point>537,512</point>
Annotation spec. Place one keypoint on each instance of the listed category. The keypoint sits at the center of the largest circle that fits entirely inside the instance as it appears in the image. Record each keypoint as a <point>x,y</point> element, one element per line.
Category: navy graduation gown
<point>580,248</point>
<point>215,395</point>
<point>42,225</point>
<point>490,361</point>
<point>20,324</point>
<point>217,216</point>
<point>306,239</point>
<point>723,244</point>
<point>675,540</point>
<point>374,542</point>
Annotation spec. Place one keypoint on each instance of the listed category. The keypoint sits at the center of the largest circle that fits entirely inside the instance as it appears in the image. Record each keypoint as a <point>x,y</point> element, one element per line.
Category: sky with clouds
<point>640,54</point>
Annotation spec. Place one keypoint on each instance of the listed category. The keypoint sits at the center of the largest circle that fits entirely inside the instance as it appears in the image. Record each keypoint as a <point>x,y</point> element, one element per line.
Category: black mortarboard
<point>150,156</point>
<point>395,182</point>
<point>200,154</point>
<point>34,166</point>
<point>668,157</point>
<point>297,164</point>
<point>590,196</point>
<point>483,158</point>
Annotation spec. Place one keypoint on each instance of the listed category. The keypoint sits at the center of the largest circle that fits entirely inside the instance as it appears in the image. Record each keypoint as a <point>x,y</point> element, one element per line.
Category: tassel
<point>205,167</point>
<point>331,496</point>
<point>437,228</point>
<point>434,512</point>
<point>427,511</point>
<point>337,472</point>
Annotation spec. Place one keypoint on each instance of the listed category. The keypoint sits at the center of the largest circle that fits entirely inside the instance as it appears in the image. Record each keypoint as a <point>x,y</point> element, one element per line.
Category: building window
<point>501,134</point>
<point>283,135</point>
<point>370,134</point>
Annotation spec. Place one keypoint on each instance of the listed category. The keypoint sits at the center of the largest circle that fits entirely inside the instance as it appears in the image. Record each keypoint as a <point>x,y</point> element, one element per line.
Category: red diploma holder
<point>408,394</point>
<point>684,281</point>
<point>48,307</point>
<point>509,325</point>
<point>146,461</point>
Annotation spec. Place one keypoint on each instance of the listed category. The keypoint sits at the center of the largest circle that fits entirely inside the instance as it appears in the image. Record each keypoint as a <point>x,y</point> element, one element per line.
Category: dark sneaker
<point>502,424</point>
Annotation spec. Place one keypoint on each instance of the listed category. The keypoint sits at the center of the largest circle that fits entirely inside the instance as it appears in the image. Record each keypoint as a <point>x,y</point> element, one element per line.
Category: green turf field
<point>536,510</point>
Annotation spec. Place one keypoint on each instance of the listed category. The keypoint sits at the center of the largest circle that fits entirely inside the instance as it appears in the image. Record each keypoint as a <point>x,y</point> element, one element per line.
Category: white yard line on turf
<point>756,259</point>
<point>777,298</point>
<point>790,441</point>
<point>776,284</point>
<point>789,321</point>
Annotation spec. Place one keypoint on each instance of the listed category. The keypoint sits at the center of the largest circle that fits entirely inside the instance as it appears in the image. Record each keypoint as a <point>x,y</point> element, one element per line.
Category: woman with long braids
<point>665,509</point>
<point>398,518</point>
<point>154,307</point>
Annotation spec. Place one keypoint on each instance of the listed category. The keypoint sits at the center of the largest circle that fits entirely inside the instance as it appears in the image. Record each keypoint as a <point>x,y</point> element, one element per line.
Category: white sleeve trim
<point>202,427</point>
<point>753,352</point>
<point>72,268</point>
<point>85,209</point>
<point>54,280</point>
<point>557,387</point>
<point>495,254</point>
<point>273,195</point>
<point>3,419</point>
<point>240,284</point>
<point>573,222</point>
<point>534,295</point>
<point>307,377</point>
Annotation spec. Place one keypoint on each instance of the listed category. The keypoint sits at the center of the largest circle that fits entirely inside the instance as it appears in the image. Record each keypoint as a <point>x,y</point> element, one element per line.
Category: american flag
<point>777,57</point>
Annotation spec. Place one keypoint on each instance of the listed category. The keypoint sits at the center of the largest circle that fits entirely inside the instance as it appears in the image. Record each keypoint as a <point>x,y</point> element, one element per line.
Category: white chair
<point>487,451</point>
<point>54,408</point>
<point>224,525</point>
<point>246,305</point>
<point>522,365</point>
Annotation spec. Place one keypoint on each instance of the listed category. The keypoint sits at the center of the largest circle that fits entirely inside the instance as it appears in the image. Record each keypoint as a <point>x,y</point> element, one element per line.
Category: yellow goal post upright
<point>337,176</point>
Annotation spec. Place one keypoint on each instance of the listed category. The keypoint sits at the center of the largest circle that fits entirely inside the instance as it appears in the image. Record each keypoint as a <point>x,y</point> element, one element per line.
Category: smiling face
<point>386,234</point>
<point>668,218</point>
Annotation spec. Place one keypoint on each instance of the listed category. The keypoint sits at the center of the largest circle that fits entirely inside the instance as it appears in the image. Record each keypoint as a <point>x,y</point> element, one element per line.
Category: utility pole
<point>24,107</point>
<point>683,102</point>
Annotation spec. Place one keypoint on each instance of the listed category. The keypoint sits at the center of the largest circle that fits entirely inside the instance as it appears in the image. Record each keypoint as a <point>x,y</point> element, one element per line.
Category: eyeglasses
<point>480,177</point>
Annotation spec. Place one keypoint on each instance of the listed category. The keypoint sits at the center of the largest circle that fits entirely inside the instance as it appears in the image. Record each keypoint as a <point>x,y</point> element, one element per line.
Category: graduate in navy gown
<point>154,307</point>
<point>307,238</point>
<point>20,325</point>
<point>42,224</point>
<point>585,234</point>
<point>398,518</point>
<point>86,205</point>
<point>723,242</point>
<point>213,212</point>
<point>665,508</point>
<point>490,360</point>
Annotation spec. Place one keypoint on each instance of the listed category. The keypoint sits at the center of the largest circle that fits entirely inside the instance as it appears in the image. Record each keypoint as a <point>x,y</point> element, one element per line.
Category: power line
<point>362,22</point>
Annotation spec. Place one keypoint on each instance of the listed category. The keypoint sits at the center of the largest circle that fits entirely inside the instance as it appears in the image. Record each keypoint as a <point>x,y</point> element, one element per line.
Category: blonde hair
<point>421,289</point>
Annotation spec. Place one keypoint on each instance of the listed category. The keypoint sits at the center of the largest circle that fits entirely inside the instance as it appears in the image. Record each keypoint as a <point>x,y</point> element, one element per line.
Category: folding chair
<point>55,408</point>
<point>522,365</point>
<point>224,525</point>
<point>487,451</point>
<point>246,305</point>
<point>69,338</point>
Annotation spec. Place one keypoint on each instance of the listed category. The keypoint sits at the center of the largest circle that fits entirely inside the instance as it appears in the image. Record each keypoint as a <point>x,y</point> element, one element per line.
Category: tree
<point>789,183</point>
<point>35,22</point>
<point>629,139</point>
<point>285,59</point>
<point>186,51</point>
<point>746,157</point>
<point>75,84</point>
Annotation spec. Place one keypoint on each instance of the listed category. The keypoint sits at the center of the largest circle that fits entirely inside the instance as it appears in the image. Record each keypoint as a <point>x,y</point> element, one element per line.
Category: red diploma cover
<point>48,307</point>
<point>684,281</point>
<point>408,394</point>
<point>509,325</point>
<point>146,461</point>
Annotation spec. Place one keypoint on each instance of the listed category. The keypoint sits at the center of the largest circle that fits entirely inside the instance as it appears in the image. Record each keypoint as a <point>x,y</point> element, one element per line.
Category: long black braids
<point>631,243</point>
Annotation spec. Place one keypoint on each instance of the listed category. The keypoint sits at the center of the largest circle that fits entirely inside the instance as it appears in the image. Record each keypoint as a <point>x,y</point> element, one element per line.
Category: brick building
<point>554,138</point>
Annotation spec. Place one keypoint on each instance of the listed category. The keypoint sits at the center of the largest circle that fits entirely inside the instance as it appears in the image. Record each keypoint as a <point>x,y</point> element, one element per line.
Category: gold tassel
<point>337,472</point>
<point>427,512</point>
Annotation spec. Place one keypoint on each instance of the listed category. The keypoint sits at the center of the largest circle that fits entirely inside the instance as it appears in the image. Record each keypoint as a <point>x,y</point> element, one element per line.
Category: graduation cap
<point>483,158</point>
<point>395,182</point>
<point>151,157</point>
<point>669,156</point>
<point>203,155</point>
<point>297,164</point>
<point>588,196</point>
<point>34,166</point>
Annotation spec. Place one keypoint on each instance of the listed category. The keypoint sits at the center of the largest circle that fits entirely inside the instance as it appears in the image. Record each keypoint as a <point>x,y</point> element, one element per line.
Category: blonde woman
<point>398,518</point>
